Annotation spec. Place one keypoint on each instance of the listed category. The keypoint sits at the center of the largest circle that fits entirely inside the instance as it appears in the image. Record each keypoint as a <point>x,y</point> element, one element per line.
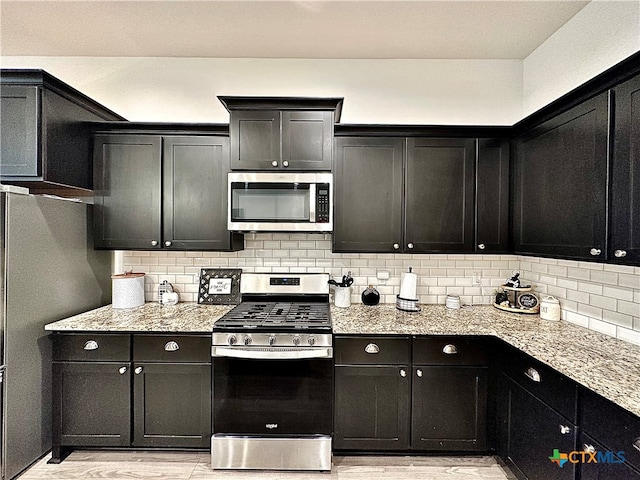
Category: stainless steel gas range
<point>273,376</point>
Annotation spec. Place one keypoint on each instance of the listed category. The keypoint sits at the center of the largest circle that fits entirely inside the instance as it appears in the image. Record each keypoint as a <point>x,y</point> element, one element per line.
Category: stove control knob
<point>272,340</point>
<point>247,340</point>
<point>232,340</point>
<point>311,341</point>
<point>296,340</point>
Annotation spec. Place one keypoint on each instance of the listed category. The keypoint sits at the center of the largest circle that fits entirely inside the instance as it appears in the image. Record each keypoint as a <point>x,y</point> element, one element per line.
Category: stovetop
<point>277,315</point>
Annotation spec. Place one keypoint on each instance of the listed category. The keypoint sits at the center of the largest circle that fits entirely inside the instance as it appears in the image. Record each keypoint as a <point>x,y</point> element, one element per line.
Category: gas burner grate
<point>277,314</point>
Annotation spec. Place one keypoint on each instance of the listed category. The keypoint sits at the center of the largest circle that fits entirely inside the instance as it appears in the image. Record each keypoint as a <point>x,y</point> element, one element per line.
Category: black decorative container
<point>370,296</point>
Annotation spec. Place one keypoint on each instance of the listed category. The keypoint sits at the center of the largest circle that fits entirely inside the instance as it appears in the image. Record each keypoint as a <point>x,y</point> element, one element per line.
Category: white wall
<point>602,34</point>
<point>459,92</point>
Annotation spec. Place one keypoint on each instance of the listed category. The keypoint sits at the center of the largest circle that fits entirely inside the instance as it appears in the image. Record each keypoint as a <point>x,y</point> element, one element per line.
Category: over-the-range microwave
<point>280,202</point>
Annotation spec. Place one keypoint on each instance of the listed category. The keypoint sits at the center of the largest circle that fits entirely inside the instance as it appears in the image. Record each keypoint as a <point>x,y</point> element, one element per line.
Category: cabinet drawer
<point>359,350</point>
<point>553,388</point>
<point>449,350</point>
<point>88,347</point>
<point>614,427</point>
<point>172,348</point>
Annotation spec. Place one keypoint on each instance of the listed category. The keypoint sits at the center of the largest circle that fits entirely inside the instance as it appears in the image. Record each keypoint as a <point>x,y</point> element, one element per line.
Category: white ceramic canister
<point>342,297</point>
<point>127,290</point>
<point>550,308</point>
<point>453,301</point>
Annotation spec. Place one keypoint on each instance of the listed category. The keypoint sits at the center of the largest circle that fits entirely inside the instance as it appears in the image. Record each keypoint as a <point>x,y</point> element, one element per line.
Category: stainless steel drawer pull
<point>403,373</point>
<point>372,348</point>
<point>91,345</point>
<point>636,444</point>
<point>138,370</point>
<point>588,448</point>
<point>533,375</point>
<point>620,253</point>
<point>171,346</point>
<point>419,373</point>
<point>595,252</point>
<point>564,429</point>
<point>122,370</point>
<point>450,349</point>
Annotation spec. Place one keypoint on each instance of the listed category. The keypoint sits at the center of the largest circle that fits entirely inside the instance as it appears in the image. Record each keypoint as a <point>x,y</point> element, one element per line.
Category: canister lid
<point>550,299</point>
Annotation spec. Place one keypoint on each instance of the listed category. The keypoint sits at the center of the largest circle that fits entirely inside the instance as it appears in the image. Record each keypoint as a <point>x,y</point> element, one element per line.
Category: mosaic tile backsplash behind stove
<point>601,297</point>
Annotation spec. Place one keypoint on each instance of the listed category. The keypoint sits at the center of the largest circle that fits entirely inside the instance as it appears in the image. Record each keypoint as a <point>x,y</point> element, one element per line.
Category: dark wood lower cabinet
<point>172,405</point>
<point>449,408</point>
<point>603,471</point>
<point>157,395</point>
<point>91,404</point>
<point>530,433</point>
<point>372,407</point>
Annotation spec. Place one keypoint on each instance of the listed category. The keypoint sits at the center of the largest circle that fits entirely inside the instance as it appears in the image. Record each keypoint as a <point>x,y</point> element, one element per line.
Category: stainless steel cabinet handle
<point>138,370</point>
<point>482,246</point>
<point>595,252</point>
<point>403,373</point>
<point>274,163</point>
<point>410,246</point>
<point>636,444</point>
<point>450,349</point>
<point>122,370</point>
<point>564,429</point>
<point>285,164</point>
<point>588,448</point>
<point>396,246</point>
<point>154,243</point>
<point>167,243</point>
<point>419,373</point>
<point>620,253</point>
<point>171,346</point>
<point>91,345</point>
<point>372,348</point>
<point>533,375</point>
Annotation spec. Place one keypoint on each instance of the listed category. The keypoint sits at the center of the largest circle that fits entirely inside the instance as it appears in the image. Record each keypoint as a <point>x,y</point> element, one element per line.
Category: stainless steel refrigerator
<point>48,271</point>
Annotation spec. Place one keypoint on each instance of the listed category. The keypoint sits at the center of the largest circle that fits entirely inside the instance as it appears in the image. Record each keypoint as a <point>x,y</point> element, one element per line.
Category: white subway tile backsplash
<point>603,297</point>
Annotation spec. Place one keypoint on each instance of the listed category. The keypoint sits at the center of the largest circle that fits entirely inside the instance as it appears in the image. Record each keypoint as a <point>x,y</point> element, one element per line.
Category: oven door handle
<point>272,354</point>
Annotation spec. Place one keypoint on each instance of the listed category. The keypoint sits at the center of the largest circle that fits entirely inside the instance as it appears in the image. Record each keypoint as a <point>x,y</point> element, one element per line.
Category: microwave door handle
<point>313,199</point>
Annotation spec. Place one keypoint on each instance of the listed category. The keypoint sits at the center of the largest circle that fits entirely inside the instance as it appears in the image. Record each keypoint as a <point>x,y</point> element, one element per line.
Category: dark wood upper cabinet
<point>625,175</point>
<point>439,195</point>
<point>156,192</point>
<point>492,196</point>
<point>561,169</point>
<point>273,133</point>
<point>368,194</point>
<point>45,133</point>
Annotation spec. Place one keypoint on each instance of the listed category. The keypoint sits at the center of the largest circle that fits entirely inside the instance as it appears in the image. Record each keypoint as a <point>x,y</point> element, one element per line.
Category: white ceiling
<point>473,29</point>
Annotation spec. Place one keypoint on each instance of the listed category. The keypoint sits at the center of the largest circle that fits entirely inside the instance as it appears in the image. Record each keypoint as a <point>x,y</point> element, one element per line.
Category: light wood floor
<point>86,465</point>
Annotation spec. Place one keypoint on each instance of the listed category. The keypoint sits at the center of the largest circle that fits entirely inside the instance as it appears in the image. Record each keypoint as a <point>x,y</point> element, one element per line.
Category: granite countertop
<point>604,364</point>
<point>148,318</point>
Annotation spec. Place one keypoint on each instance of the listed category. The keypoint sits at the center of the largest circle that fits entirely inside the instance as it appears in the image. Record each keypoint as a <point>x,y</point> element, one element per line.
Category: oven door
<point>272,397</point>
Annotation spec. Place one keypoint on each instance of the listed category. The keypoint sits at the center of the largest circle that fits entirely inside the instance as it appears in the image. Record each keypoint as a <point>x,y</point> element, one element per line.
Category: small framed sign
<point>219,286</point>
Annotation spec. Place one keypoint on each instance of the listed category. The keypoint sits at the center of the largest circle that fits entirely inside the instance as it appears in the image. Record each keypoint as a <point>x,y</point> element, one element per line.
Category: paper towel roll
<point>127,290</point>
<point>409,286</point>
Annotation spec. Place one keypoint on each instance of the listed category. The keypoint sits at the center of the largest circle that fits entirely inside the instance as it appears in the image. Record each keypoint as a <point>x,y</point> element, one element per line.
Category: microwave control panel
<point>322,203</point>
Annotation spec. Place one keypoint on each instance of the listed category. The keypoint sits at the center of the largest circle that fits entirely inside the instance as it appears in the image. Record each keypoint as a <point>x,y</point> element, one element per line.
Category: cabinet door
<point>625,185</point>
<point>603,471</point>
<point>492,196</point>
<point>368,194</point>
<point>534,431</point>
<point>172,405</point>
<point>91,404</point>
<point>372,407</point>
<point>561,184</point>
<point>255,139</point>
<point>449,408</point>
<point>307,140</point>
<point>127,185</point>
<point>195,194</point>
<point>20,126</point>
<point>439,195</point>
